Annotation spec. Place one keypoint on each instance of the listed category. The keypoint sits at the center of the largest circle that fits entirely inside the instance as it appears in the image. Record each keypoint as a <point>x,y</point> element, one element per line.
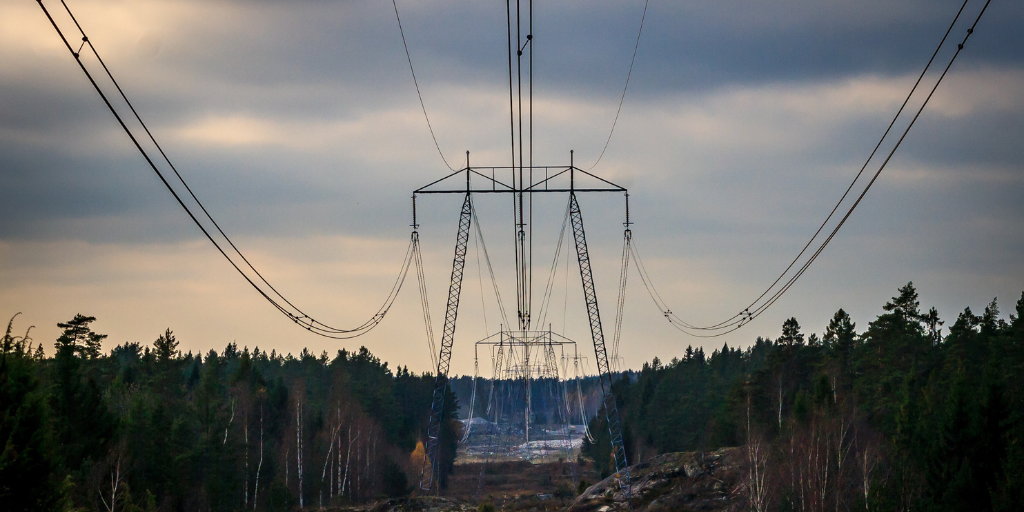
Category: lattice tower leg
<point>445,356</point>
<point>604,372</point>
<point>492,433</point>
<point>497,376</point>
<point>527,380</point>
<point>558,390</point>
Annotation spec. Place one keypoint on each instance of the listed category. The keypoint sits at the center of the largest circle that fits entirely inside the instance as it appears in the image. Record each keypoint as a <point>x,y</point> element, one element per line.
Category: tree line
<point>906,414</point>
<point>148,428</point>
<point>899,416</point>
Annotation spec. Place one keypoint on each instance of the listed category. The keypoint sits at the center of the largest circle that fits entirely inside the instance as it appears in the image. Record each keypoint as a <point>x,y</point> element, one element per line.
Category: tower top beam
<point>486,180</point>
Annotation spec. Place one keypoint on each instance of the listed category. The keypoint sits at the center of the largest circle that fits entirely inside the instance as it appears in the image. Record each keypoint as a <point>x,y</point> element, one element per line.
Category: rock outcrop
<point>674,481</point>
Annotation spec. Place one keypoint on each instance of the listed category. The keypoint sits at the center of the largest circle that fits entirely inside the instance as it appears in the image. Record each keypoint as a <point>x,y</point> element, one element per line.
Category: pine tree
<point>791,335</point>
<point>166,347</point>
<point>83,422</point>
<point>906,304</point>
<point>839,338</point>
<point>78,338</point>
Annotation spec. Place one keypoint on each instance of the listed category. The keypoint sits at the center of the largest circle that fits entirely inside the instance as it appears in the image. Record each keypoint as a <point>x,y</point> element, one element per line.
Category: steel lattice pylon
<point>447,336</point>
<point>485,180</point>
<point>498,437</point>
<point>611,409</point>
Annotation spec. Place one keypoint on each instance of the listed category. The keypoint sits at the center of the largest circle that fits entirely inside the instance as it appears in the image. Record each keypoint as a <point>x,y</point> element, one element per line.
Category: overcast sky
<point>298,125</point>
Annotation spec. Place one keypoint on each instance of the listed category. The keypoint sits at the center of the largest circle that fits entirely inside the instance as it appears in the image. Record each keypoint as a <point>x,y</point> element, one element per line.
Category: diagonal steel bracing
<point>604,372</point>
<point>562,179</point>
<point>447,336</point>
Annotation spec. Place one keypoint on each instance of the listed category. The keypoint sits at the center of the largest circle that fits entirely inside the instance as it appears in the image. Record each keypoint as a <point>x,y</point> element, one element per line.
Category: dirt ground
<point>685,481</point>
<point>510,486</point>
<point>506,482</point>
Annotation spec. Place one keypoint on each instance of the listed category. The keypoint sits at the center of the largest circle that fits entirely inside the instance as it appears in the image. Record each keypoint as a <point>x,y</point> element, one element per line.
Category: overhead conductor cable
<point>417,84</point>
<point>758,306</point>
<point>622,98</point>
<point>284,306</point>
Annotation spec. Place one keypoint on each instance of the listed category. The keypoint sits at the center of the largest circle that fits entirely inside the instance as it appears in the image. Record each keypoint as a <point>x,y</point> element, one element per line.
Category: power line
<point>417,84</point>
<point>545,303</point>
<point>523,308</point>
<point>297,316</point>
<point>512,136</point>
<point>149,134</point>
<point>792,280</point>
<point>624,88</point>
<point>522,157</point>
<point>424,303</point>
<point>757,307</point>
<point>529,41</point>
<point>863,167</point>
<point>490,269</point>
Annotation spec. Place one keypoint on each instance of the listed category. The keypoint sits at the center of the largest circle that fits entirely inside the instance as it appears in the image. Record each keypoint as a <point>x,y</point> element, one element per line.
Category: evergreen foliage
<point>901,416</point>
<point>149,428</point>
<point>898,417</point>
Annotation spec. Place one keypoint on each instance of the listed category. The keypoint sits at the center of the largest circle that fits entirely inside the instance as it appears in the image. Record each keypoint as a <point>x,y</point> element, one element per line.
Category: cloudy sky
<point>298,125</point>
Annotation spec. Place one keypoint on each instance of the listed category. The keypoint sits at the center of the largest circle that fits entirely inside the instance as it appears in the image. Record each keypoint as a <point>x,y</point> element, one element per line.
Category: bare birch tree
<point>867,460</point>
<point>298,447</point>
<point>843,445</point>
<point>118,468</point>
<point>327,460</point>
<point>245,456</point>
<point>757,465</point>
<point>259,466</point>
<point>230,420</point>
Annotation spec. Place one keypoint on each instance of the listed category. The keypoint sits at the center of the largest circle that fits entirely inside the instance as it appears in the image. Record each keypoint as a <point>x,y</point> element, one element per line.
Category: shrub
<point>582,487</point>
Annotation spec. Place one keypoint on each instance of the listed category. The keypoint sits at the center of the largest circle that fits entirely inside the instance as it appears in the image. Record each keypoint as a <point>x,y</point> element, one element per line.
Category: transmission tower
<point>568,180</point>
<point>532,358</point>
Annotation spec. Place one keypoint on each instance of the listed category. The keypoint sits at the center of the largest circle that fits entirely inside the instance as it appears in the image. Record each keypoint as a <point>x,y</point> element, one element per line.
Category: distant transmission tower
<point>525,366</point>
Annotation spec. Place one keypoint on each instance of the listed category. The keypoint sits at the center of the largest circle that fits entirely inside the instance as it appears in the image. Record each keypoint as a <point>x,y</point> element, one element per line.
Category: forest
<point>905,414</point>
<point>147,428</point>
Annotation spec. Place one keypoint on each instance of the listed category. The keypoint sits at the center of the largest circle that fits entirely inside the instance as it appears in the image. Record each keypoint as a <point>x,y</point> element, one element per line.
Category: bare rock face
<point>673,481</point>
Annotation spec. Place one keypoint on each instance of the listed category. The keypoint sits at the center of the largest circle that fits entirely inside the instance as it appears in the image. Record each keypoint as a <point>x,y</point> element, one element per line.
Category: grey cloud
<point>726,199</point>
